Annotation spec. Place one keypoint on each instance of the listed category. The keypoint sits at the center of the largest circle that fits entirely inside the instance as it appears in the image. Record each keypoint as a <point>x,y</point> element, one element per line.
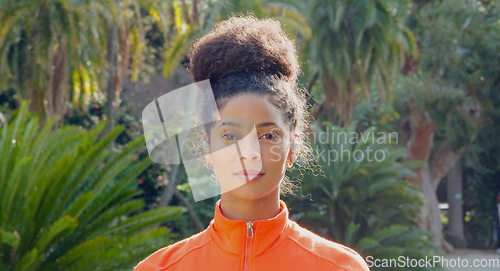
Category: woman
<point>252,67</point>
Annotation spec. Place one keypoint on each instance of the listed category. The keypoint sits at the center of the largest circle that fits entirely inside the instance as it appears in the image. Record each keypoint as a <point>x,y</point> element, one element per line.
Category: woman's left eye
<point>270,136</point>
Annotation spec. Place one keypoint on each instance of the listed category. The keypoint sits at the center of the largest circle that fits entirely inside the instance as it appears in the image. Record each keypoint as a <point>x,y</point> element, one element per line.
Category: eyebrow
<point>264,124</point>
<point>229,124</point>
<point>267,124</point>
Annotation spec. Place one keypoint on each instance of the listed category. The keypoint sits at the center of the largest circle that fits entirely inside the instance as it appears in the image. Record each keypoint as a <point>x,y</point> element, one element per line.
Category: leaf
<point>142,220</point>
<point>59,229</point>
<point>89,247</point>
<point>27,262</point>
<point>175,51</point>
<point>9,238</point>
<point>351,233</point>
<point>366,244</point>
<point>390,231</point>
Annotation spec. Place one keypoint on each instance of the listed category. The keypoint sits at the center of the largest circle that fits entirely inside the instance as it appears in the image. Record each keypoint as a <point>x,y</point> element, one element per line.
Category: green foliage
<point>67,202</point>
<point>49,48</point>
<point>34,30</point>
<point>188,30</point>
<point>184,225</point>
<point>457,38</point>
<point>360,40</point>
<point>371,114</point>
<point>361,200</point>
<point>448,107</point>
<point>150,180</point>
<point>460,44</point>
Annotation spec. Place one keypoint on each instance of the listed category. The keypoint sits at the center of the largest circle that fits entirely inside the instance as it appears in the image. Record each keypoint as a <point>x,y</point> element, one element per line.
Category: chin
<point>251,191</point>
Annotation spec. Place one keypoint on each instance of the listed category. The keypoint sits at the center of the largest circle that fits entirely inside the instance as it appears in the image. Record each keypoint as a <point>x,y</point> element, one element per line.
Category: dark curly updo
<point>246,55</point>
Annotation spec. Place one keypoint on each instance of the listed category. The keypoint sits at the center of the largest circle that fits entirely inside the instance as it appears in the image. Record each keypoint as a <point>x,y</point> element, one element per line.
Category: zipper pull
<point>250,229</point>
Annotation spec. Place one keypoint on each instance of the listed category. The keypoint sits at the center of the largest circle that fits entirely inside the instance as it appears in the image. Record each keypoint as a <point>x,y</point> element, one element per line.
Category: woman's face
<point>249,147</point>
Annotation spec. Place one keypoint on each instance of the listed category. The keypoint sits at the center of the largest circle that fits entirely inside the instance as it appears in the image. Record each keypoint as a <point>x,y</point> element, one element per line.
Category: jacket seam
<point>212,239</point>
<point>314,254</point>
<point>186,254</point>
<point>282,236</point>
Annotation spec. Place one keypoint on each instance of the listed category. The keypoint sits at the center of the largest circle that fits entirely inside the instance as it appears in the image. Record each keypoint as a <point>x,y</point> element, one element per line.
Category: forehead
<point>254,107</point>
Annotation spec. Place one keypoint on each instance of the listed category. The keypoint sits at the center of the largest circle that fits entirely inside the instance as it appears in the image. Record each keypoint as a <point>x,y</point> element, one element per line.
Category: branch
<point>194,17</point>
<point>169,190</point>
<point>185,12</point>
<point>422,129</point>
<point>191,211</point>
<point>312,82</point>
<point>441,161</point>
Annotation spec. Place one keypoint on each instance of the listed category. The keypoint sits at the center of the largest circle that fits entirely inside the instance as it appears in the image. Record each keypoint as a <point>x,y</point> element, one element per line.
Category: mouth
<point>249,175</point>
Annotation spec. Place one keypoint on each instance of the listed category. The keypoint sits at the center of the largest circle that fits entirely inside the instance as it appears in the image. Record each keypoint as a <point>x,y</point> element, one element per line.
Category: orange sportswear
<point>273,244</point>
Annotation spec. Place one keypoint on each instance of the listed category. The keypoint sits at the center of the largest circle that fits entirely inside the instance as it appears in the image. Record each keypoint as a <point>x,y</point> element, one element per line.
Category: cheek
<point>275,153</point>
<point>224,154</point>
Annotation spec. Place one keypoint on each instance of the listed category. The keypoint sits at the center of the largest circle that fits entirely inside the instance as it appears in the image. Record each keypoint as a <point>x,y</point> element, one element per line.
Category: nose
<point>250,151</point>
<point>253,155</point>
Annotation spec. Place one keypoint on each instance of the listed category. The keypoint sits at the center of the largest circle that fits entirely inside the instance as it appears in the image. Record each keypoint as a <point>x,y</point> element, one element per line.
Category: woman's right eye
<point>229,137</point>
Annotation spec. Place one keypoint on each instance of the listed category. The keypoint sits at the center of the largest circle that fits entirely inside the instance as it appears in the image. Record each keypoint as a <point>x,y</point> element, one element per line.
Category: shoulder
<point>335,253</point>
<point>169,255</point>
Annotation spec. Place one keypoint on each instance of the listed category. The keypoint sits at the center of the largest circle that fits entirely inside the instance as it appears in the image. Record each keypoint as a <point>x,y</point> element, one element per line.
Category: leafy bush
<point>67,201</point>
<point>152,179</point>
<point>362,201</point>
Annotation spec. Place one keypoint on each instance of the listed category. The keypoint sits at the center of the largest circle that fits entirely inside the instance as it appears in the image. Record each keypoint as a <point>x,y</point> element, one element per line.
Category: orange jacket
<point>274,244</point>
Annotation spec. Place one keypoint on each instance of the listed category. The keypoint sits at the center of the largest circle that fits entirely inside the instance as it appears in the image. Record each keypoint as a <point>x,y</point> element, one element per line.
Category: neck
<point>236,208</point>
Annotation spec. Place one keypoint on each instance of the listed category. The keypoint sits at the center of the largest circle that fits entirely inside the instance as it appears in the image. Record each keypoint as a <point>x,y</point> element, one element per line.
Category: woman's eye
<point>271,136</point>
<point>229,137</point>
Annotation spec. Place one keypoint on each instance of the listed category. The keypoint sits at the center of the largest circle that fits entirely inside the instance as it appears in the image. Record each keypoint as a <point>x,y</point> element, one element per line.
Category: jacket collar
<point>231,235</point>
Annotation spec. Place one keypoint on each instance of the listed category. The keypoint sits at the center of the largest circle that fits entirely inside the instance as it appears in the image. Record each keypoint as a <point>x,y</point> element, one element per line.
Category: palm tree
<point>355,44</point>
<point>362,200</point>
<point>52,51</point>
<point>195,18</point>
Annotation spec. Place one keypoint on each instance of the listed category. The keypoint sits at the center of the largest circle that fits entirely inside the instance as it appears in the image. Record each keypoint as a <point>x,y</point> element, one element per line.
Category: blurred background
<point>79,192</point>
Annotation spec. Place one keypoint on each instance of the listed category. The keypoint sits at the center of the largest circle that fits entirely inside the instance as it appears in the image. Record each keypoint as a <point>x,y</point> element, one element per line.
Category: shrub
<point>362,201</point>
<point>67,201</point>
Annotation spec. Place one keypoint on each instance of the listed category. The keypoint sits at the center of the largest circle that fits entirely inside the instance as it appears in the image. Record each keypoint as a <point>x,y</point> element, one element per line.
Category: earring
<point>209,165</point>
<point>289,164</point>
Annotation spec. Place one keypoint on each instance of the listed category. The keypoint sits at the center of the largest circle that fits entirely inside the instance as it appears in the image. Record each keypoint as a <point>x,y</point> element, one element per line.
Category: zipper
<point>250,235</point>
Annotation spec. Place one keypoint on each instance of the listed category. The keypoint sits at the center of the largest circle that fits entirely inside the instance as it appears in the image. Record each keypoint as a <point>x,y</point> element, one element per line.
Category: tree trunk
<point>442,160</point>
<point>122,62</point>
<point>33,91</point>
<point>433,217</point>
<point>111,78</point>
<point>176,176</point>
<point>419,145</point>
<point>332,94</point>
<point>192,212</point>
<point>118,61</point>
<point>58,79</point>
<point>343,98</point>
<point>455,234</point>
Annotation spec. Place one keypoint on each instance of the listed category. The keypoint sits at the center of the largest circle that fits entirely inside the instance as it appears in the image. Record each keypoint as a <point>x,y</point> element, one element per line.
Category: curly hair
<point>244,45</point>
<point>247,55</point>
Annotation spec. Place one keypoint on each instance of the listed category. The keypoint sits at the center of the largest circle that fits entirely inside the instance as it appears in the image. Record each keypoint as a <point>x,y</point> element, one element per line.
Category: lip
<point>251,175</point>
